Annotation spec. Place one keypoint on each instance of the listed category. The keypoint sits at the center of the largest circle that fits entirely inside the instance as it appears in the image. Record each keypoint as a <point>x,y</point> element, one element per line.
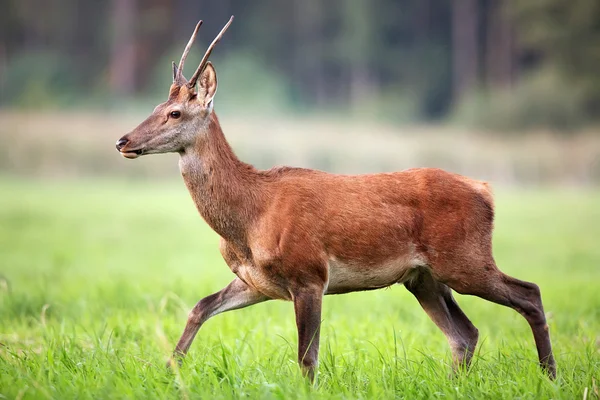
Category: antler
<point>192,82</point>
<point>178,70</point>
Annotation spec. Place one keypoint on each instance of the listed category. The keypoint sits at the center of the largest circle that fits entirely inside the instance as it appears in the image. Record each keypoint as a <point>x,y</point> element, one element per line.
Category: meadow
<point>97,278</point>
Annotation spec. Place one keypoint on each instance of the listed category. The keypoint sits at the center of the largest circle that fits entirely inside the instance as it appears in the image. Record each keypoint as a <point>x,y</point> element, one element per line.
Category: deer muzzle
<point>121,146</point>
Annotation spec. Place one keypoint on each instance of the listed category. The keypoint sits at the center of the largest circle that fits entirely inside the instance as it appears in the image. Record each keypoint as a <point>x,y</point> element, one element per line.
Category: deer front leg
<point>236,295</point>
<point>307,305</point>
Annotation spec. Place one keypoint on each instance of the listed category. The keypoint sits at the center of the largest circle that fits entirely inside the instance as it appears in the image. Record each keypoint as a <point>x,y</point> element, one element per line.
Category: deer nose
<point>121,143</point>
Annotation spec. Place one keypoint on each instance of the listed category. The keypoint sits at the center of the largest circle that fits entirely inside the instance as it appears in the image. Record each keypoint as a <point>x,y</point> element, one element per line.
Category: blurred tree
<point>465,47</point>
<point>565,34</point>
<point>122,77</point>
<point>354,41</point>
<point>499,47</point>
<point>405,59</point>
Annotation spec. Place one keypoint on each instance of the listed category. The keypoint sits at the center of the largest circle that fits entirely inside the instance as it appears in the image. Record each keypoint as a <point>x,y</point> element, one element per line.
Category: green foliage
<point>38,80</point>
<point>97,279</point>
<point>398,60</point>
<point>246,85</point>
<point>541,100</point>
<point>565,35</point>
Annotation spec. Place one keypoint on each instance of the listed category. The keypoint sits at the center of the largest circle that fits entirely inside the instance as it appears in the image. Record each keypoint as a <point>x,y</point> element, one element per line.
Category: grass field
<point>96,279</point>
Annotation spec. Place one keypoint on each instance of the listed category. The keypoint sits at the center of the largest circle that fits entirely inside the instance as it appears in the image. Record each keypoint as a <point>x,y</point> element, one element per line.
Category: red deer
<point>298,234</point>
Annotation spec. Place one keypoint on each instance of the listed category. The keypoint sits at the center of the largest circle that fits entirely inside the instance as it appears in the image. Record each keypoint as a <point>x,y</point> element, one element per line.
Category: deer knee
<point>532,290</point>
<point>532,293</point>
<point>530,303</point>
<point>195,316</point>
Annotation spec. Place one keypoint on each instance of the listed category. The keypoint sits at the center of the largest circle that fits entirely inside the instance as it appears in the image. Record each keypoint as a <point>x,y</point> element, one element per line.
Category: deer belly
<point>347,277</point>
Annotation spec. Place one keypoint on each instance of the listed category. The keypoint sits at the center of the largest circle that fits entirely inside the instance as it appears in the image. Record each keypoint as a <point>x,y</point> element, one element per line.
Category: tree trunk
<point>308,68</point>
<point>499,47</point>
<point>465,47</point>
<point>123,57</point>
<point>359,34</point>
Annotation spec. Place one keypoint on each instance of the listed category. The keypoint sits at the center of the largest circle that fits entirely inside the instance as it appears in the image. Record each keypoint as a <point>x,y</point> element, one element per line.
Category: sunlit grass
<point>96,280</point>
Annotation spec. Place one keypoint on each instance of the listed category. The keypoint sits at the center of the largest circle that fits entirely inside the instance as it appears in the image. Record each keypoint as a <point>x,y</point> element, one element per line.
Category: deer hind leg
<point>438,302</point>
<point>489,283</point>
<point>236,295</point>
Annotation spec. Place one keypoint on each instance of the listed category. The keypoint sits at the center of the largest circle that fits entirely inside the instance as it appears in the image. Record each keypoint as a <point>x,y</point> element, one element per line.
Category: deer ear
<point>208,85</point>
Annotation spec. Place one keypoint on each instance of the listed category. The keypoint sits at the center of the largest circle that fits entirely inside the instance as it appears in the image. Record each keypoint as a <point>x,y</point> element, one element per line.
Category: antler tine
<point>188,47</point>
<point>196,75</point>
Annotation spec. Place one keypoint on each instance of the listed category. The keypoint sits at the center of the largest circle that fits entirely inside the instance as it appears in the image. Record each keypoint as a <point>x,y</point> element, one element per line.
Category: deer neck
<point>224,189</point>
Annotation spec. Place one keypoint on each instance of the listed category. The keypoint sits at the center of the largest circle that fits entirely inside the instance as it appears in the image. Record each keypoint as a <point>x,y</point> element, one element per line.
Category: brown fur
<point>282,228</point>
<point>298,234</point>
<point>286,215</point>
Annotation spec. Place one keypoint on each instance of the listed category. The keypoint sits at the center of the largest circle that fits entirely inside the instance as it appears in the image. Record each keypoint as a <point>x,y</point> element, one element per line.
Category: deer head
<point>183,118</point>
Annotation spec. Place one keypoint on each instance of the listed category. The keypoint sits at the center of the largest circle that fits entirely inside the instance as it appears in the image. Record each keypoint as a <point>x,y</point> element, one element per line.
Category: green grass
<point>96,280</point>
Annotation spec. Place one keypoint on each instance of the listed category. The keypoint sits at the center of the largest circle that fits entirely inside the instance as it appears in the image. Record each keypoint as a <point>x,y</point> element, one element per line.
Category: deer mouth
<point>131,154</point>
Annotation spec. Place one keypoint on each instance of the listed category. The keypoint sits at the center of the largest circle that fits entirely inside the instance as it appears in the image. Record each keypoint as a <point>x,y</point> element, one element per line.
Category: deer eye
<point>175,114</point>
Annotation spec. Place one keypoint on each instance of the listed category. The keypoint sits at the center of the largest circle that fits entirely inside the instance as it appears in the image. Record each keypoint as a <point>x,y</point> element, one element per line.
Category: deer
<point>298,234</point>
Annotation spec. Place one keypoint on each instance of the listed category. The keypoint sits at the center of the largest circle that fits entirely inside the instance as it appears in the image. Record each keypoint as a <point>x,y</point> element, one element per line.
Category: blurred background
<point>503,90</point>
<point>101,258</point>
